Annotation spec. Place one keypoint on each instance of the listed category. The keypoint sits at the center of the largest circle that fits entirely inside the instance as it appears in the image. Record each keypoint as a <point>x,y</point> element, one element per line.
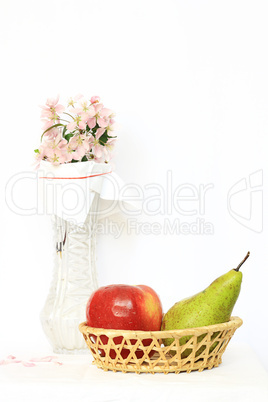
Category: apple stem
<point>242,262</point>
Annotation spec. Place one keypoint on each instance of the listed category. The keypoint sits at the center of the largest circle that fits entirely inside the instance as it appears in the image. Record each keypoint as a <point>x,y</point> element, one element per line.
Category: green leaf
<point>104,138</point>
<point>64,131</point>
<point>69,136</point>
<point>37,151</point>
<point>84,159</point>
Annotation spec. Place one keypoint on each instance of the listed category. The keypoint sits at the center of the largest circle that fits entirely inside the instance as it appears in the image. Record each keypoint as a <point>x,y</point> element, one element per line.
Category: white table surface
<point>240,377</point>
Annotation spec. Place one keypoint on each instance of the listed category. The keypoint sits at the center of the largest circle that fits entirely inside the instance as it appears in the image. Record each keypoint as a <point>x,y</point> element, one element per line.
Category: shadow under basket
<point>145,351</point>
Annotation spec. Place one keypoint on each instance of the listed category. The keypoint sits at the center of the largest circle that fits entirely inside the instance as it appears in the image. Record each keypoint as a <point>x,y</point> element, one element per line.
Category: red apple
<point>124,307</point>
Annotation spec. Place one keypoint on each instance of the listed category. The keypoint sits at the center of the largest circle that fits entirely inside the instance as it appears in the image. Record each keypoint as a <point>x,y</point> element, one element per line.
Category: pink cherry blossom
<point>96,147</point>
<point>58,146</point>
<point>54,150</point>
<point>111,126</point>
<point>80,121</point>
<point>53,102</point>
<point>95,99</point>
<point>40,155</point>
<point>72,101</point>
<point>51,108</point>
<point>85,107</point>
<point>52,133</point>
<point>100,116</point>
<point>50,112</point>
<point>108,149</point>
<point>57,157</point>
<point>80,145</point>
<point>70,153</point>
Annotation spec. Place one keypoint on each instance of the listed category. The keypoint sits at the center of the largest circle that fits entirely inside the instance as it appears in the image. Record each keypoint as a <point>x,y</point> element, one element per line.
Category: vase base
<point>63,351</point>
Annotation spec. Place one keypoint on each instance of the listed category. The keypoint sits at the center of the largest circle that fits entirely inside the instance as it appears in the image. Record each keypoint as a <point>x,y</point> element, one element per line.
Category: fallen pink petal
<point>42,359</point>
<point>28,364</point>
<point>11,357</point>
<point>9,361</point>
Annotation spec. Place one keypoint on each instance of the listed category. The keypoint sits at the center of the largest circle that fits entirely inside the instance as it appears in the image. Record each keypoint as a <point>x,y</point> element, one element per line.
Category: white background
<point>188,81</point>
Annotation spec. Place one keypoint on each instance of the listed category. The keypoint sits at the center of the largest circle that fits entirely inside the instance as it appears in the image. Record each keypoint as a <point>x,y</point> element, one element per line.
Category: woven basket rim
<point>233,322</point>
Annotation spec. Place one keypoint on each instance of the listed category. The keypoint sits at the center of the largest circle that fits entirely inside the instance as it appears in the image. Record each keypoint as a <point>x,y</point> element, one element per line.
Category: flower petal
<point>98,150</point>
<point>95,99</point>
<point>28,364</point>
<point>42,359</point>
<point>91,122</point>
<point>98,107</point>
<point>71,126</point>
<point>77,110</point>
<point>77,97</point>
<point>91,111</point>
<point>59,108</point>
<point>102,122</point>
<point>82,125</point>
<point>99,132</point>
<point>52,101</point>
<point>106,112</point>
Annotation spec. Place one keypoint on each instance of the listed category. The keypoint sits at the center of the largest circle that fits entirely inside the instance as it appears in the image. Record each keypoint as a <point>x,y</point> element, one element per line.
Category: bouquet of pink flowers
<point>78,133</point>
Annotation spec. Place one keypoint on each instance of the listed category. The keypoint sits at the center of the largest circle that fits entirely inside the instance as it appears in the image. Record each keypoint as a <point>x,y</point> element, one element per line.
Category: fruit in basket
<point>213,305</point>
<point>124,307</point>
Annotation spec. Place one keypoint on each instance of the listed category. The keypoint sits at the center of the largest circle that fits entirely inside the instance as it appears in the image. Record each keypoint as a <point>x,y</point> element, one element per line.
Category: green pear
<point>214,305</point>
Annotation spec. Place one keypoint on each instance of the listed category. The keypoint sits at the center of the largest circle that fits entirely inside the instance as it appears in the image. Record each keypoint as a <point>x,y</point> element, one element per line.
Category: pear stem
<point>242,262</point>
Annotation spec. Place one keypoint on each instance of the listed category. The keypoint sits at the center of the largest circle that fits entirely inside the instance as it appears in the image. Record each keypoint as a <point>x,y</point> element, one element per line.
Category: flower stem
<point>68,115</point>
<point>55,125</point>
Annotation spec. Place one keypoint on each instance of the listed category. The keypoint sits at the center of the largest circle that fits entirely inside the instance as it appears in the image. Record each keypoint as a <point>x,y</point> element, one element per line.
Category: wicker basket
<point>144,351</point>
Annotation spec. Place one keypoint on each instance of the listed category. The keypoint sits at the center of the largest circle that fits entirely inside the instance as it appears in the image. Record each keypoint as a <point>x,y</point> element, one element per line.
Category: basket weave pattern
<point>144,351</point>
